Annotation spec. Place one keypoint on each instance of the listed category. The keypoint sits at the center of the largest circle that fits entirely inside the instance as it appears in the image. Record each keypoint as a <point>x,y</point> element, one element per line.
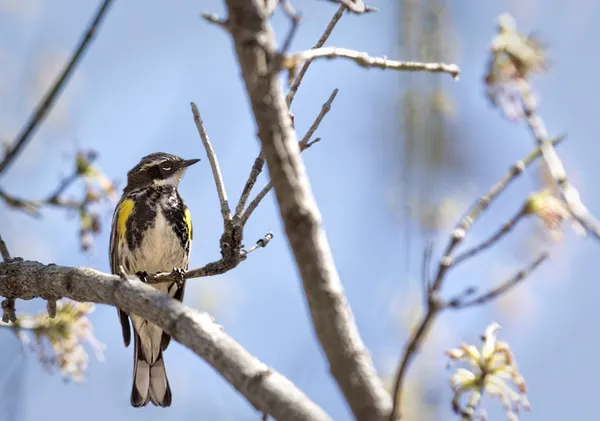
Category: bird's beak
<point>188,162</point>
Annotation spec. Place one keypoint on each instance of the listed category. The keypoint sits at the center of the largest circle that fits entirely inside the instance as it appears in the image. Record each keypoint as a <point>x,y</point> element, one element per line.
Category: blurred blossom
<point>59,341</point>
<point>552,211</point>
<point>489,369</point>
<point>513,58</point>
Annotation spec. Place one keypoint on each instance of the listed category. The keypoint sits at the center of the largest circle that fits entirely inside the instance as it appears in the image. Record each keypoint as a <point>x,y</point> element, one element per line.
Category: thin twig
<point>212,18</point>
<point>554,164</point>
<point>214,164</point>
<point>298,79</point>
<point>505,229</point>
<point>266,189</point>
<point>260,243</point>
<point>425,269</point>
<point>356,6</point>
<point>260,160</point>
<point>501,289</point>
<point>325,108</point>
<point>304,144</point>
<point>364,60</point>
<point>46,104</point>
<point>294,18</point>
<point>4,250</point>
<point>257,167</point>
<point>434,303</point>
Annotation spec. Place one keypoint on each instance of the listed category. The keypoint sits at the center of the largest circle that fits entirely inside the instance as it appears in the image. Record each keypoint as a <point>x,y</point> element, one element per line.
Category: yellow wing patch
<point>124,212</point>
<point>188,223</point>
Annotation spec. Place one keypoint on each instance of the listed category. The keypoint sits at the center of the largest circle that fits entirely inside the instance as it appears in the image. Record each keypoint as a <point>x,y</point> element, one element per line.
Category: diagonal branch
<point>46,104</point>
<point>304,144</point>
<point>501,289</point>
<point>214,165</point>
<point>554,163</point>
<point>267,390</point>
<point>289,98</point>
<point>505,229</point>
<point>350,362</point>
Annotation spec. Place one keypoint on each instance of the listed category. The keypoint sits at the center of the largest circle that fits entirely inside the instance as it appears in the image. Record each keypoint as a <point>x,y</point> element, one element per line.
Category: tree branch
<point>434,302</point>
<point>291,61</point>
<point>350,363</point>
<point>355,6</point>
<point>289,98</point>
<point>554,163</point>
<point>46,104</point>
<point>505,229</point>
<point>304,144</point>
<point>458,303</point>
<point>267,390</point>
<point>214,164</point>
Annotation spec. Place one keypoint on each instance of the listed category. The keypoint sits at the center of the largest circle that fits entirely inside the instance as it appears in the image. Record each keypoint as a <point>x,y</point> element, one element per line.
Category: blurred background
<point>402,157</point>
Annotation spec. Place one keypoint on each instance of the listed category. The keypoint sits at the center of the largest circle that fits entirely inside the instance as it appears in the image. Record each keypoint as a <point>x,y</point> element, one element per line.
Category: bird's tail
<point>150,382</point>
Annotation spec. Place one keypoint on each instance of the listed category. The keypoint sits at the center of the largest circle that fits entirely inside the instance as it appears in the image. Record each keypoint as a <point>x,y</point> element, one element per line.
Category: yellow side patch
<point>188,222</point>
<point>125,210</point>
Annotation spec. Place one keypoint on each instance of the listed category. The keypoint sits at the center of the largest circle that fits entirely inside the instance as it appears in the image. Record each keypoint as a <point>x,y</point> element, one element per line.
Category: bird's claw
<point>179,275</point>
<point>143,276</point>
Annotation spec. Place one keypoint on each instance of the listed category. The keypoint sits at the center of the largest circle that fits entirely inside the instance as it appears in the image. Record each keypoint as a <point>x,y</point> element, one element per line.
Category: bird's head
<point>158,169</point>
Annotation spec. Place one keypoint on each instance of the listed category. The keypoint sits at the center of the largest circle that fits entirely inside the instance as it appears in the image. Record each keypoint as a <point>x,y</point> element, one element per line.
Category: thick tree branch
<point>46,104</point>
<point>350,363</point>
<point>267,390</point>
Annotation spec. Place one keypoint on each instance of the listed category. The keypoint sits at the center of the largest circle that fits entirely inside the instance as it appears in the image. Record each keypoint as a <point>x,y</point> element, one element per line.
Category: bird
<point>151,233</point>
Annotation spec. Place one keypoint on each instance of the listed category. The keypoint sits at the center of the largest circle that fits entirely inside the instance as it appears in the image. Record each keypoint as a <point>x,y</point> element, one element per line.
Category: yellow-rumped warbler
<point>151,233</point>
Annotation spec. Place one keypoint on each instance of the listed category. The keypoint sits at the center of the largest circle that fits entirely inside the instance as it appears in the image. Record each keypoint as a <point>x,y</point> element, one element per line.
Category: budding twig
<point>363,59</point>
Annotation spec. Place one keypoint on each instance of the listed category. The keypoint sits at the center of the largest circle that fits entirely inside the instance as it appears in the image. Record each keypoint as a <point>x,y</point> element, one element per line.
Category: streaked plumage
<point>151,233</point>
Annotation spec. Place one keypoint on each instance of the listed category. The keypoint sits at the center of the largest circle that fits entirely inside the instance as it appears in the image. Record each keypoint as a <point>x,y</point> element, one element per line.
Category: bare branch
<point>555,165</point>
<point>212,18</point>
<point>458,303</point>
<point>355,6</point>
<point>214,164</point>
<point>350,362</point>
<point>505,229</point>
<point>363,59</point>
<point>48,101</point>
<point>260,243</point>
<point>434,303</point>
<point>254,173</point>
<point>304,144</point>
<point>298,79</point>
<point>324,110</point>
<point>267,390</point>
<point>4,250</point>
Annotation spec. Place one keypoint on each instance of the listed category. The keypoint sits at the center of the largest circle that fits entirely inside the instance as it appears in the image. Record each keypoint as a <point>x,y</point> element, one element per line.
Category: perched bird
<point>151,233</point>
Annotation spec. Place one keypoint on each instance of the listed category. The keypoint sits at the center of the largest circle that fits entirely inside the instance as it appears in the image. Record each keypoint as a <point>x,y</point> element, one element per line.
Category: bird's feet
<point>179,275</point>
<point>143,276</point>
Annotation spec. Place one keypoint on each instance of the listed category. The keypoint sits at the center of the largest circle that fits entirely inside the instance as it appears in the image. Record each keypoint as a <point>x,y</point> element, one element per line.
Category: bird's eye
<point>166,168</point>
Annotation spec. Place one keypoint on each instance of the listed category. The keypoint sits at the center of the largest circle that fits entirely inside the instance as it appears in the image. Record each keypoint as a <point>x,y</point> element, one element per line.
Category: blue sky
<point>130,96</point>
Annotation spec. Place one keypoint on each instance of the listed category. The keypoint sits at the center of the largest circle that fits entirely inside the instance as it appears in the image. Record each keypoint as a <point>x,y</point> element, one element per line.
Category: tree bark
<point>350,362</point>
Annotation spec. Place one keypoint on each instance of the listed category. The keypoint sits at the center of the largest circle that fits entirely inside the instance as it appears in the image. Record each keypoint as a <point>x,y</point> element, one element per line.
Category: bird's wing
<point>122,212</point>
